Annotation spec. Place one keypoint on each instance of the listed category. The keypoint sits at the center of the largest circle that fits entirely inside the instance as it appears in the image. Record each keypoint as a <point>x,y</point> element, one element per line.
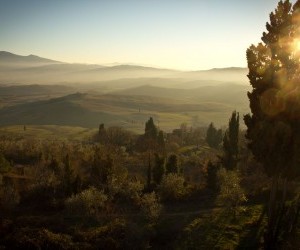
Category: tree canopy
<point>274,73</point>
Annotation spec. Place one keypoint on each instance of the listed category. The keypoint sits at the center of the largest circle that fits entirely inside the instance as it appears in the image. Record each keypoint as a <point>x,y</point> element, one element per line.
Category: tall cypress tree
<point>150,129</point>
<point>273,128</point>
<point>158,169</point>
<point>213,136</point>
<point>230,143</point>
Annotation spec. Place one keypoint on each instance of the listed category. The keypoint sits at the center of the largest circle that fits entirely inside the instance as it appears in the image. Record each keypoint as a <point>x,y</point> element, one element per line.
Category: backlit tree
<point>274,125</point>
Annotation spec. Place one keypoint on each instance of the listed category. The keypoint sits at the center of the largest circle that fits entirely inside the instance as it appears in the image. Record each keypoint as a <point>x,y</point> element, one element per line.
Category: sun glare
<point>296,45</point>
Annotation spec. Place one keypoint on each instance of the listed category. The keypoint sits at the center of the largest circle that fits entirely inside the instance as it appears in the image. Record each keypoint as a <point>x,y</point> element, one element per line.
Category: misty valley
<point>131,156</point>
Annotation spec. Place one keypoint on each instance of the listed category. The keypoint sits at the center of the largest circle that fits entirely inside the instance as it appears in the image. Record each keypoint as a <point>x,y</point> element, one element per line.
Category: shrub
<point>25,238</point>
<point>231,194</point>
<point>172,187</point>
<point>10,197</point>
<point>89,202</point>
<point>150,206</point>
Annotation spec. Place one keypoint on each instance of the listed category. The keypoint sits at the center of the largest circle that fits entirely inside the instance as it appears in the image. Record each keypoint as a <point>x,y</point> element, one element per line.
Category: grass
<point>220,230</point>
<point>51,132</point>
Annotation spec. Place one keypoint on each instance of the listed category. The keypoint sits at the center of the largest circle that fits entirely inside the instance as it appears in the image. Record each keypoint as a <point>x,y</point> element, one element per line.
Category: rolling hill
<point>40,91</point>
<point>129,111</point>
<point>221,93</point>
<point>36,70</point>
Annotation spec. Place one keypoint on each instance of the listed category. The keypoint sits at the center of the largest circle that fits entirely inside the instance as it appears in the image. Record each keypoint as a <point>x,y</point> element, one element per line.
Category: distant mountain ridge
<point>8,57</point>
<point>32,69</point>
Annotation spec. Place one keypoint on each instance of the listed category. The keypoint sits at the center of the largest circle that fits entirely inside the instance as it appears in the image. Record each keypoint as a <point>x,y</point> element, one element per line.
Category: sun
<point>296,46</point>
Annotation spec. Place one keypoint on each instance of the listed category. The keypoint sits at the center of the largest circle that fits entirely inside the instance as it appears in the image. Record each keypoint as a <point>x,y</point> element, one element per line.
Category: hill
<point>36,70</point>
<point>129,111</point>
<point>221,93</point>
<point>10,58</point>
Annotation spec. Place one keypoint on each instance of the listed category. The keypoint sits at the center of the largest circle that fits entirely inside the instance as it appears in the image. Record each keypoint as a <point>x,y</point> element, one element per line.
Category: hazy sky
<point>181,34</point>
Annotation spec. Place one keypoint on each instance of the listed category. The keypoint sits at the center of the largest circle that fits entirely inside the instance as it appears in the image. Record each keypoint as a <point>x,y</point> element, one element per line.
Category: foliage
<point>150,206</point>
<point>67,176</point>
<point>212,170</point>
<point>161,142</point>
<point>172,187</point>
<point>26,238</point>
<point>213,136</point>
<point>4,164</point>
<point>230,143</point>
<point>231,193</point>
<point>158,170</point>
<point>273,128</point>
<point>10,197</point>
<point>172,164</point>
<point>109,236</point>
<point>150,129</point>
<point>90,202</point>
<point>102,169</point>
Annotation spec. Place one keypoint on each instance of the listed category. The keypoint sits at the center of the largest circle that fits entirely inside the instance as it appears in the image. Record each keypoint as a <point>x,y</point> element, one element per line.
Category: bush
<point>231,194</point>
<point>150,206</point>
<point>172,187</point>
<point>89,202</point>
<point>10,198</point>
<point>132,190</point>
<point>26,238</point>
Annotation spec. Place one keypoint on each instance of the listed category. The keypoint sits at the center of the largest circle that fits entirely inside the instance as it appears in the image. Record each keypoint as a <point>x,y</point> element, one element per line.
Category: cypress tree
<point>230,143</point>
<point>273,128</point>
<point>159,169</point>
<point>172,164</point>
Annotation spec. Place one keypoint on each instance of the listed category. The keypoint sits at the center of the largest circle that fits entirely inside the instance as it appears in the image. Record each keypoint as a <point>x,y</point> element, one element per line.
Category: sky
<point>177,34</point>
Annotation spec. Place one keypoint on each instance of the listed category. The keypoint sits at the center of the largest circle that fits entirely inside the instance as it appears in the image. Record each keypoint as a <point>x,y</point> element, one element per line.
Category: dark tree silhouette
<point>230,143</point>
<point>158,170</point>
<point>274,125</point>
<point>161,142</point>
<point>172,164</point>
<point>213,136</point>
<point>67,176</point>
<point>150,129</point>
<point>212,170</point>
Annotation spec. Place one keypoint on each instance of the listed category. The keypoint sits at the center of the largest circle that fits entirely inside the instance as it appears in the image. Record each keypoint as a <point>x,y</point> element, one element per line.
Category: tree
<point>273,128</point>
<point>102,169</point>
<point>102,134</point>
<point>161,142</point>
<point>67,176</point>
<point>150,144</point>
<point>231,193</point>
<point>158,170</point>
<point>212,170</point>
<point>213,136</point>
<point>230,142</point>
<point>4,164</point>
<point>172,164</point>
<point>150,129</point>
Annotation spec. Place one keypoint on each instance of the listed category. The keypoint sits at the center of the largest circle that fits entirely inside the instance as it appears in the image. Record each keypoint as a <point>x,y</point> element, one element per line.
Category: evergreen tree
<point>102,134</point>
<point>102,169</point>
<point>172,164</point>
<point>161,142</point>
<point>67,176</point>
<point>230,143</point>
<point>158,170</point>
<point>149,173</point>
<point>4,164</point>
<point>210,134</point>
<point>150,129</point>
<point>213,136</point>
<point>273,128</point>
<point>212,170</point>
